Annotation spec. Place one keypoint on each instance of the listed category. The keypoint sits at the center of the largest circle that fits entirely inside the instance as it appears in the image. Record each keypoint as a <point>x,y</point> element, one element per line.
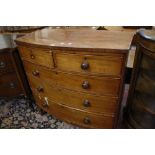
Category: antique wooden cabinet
<point>141,99</point>
<point>77,75</point>
<point>9,84</point>
<point>12,79</point>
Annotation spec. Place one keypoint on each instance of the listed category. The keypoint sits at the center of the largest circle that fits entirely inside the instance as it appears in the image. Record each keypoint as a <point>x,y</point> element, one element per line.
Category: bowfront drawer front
<point>5,63</point>
<point>9,85</point>
<point>82,118</point>
<point>91,103</point>
<point>110,64</point>
<point>82,83</point>
<point>37,55</point>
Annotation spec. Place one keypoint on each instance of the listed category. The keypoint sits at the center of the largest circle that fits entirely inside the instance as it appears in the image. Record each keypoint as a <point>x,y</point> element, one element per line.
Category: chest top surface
<point>84,39</point>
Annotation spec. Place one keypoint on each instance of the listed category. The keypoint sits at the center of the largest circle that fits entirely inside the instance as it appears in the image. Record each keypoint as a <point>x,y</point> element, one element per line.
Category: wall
<point>5,41</point>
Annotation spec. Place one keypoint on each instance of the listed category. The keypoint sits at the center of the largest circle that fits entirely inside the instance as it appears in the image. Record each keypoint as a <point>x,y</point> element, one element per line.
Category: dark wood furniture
<point>77,75</point>
<point>12,79</point>
<point>141,100</point>
<point>137,27</point>
<point>19,29</point>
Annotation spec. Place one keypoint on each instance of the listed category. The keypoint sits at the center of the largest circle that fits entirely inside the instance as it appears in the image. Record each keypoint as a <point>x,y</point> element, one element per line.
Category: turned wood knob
<point>32,56</point>
<point>85,65</point>
<point>35,73</point>
<point>12,85</point>
<point>2,64</point>
<point>87,120</point>
<point>40,89</point>
<point>86,103</point>
<point>85,85</point>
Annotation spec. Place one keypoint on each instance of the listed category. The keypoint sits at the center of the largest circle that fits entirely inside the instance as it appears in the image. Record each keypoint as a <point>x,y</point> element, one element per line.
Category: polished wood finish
<point>102,104</point>
<point>19,69</point>
<point>100,64</point>
<point>36,55</point>
<point>82,80</point>
<point>72,115</point>
<point>140,107</point>
<point>83,39</point>
<point>78,82</point>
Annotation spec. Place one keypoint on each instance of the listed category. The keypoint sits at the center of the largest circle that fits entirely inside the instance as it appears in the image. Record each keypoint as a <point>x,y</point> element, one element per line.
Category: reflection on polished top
<point>96,39</point>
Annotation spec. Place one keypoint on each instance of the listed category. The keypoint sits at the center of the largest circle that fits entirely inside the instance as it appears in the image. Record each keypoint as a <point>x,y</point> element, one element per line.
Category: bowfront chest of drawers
<point>77,75</point>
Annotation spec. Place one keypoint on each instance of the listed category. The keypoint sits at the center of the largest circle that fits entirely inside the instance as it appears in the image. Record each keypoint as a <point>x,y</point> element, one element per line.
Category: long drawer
<point>9,85</point>
<point>37,55</point>
<point>91,103</point>
<point>110,64</point>
<point>82,118</point>
<point>76,82</point>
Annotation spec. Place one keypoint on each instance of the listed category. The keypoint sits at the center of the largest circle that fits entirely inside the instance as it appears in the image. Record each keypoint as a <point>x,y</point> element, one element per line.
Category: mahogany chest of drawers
<point>77,75</point>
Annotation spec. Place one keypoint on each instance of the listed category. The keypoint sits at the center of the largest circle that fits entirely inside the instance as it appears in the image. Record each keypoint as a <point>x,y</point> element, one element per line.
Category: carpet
<point>18,114</point>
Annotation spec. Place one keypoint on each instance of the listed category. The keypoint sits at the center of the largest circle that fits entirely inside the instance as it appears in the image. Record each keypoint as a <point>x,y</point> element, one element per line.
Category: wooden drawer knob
<point>2,64</point>
<point>40,89</point>
<point>32,56</point>
<point>86,103</point>
<point>35,73</point>
<point>87,120</point>
<point>85,65</point>
<point>12,85</point>
<point>85,85</point>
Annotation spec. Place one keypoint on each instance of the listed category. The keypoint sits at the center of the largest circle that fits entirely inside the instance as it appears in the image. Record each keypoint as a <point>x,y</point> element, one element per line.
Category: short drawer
<point>78,117</point>
<point>87,102</point>
<point>83,83</point>
<point>110,64</point>
<point>37,55</point>
<point>9,85</point>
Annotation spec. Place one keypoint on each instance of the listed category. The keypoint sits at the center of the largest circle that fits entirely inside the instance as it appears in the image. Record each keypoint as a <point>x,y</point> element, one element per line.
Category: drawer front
<point>81,118</point>
<point>37,55</point>
<point>107,64</point>
<point>87,102</point>
<point>82,83</point>
<point>6,64</point>
<point>9,85</point>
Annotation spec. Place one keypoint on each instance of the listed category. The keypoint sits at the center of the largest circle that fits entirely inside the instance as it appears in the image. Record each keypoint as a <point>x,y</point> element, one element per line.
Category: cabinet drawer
<point>37,55</point>
<point>82,118</point>
<point>6,64</point>
<point>87,102</point>
<point>82,83</point>
<point>9,85</point>
<point>110,64</point>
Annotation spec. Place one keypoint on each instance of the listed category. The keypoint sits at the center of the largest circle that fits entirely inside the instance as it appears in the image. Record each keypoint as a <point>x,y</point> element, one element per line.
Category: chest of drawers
<point>77,75</point>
